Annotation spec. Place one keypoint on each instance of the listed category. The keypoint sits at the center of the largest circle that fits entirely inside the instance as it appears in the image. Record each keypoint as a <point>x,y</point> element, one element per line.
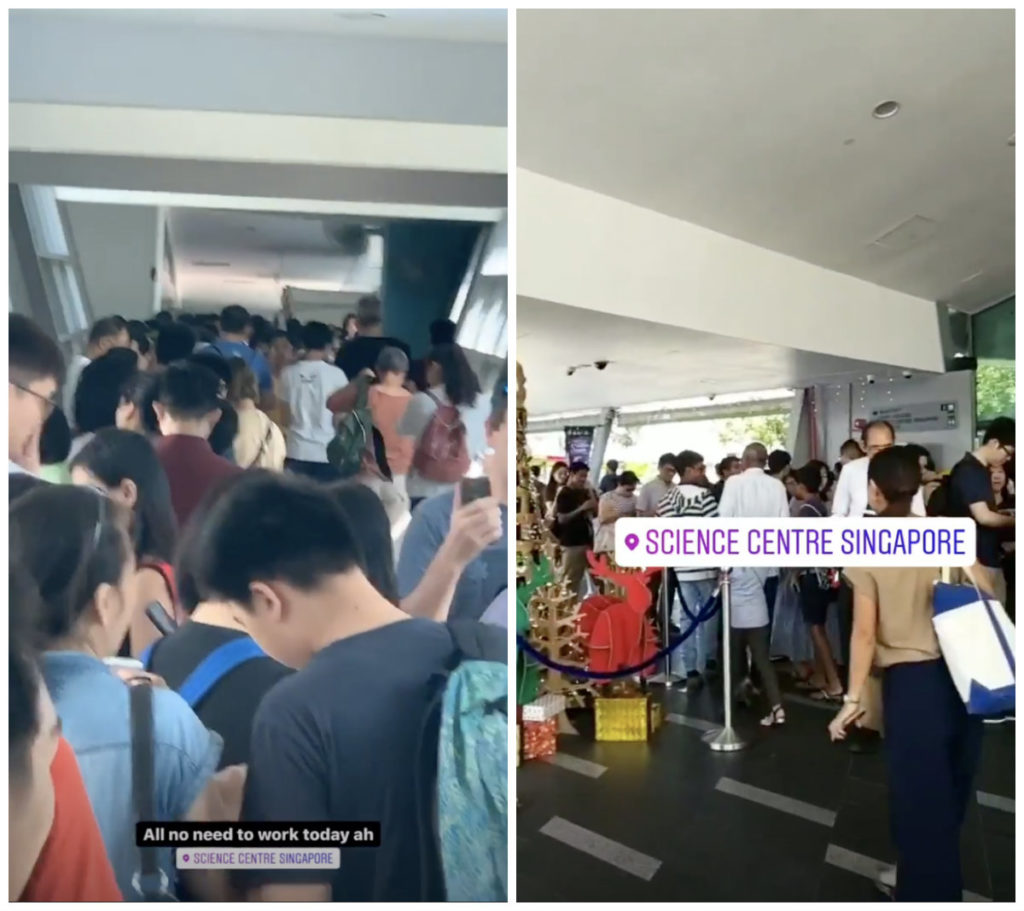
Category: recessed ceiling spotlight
<point>885,110</point>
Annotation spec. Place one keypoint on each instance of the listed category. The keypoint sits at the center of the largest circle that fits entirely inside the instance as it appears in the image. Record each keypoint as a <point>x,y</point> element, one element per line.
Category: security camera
<point>600,365</point>
<point>570,371</point>
<point>711,397</point>
<point>871,379</point>
<point>907,374</point>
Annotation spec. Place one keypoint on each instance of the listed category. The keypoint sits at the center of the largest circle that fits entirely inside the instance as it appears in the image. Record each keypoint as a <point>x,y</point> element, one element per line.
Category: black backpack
<point>938,502</point>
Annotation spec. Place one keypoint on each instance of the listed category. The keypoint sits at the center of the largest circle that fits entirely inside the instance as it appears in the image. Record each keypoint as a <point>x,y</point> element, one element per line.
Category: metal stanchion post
<point>726,740</point>
<point>666,677</point>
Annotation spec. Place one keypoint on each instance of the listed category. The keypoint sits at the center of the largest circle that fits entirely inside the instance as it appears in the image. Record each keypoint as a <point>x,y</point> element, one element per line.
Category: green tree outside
<point>996,392</point>
<point>770,429</point>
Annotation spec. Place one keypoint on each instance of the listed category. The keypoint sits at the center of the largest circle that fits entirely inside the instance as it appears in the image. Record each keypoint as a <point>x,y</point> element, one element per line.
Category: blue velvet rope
<point>703,615</point>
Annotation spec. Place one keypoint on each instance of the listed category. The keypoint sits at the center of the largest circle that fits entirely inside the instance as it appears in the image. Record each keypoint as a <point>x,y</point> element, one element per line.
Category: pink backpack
<point>443,453</point>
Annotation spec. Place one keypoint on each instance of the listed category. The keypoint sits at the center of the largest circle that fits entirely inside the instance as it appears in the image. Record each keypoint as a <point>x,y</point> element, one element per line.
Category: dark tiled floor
<point>660,799</point>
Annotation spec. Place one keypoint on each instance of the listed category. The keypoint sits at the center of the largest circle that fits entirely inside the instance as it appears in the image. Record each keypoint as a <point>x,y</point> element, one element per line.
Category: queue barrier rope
<point>702,616</point>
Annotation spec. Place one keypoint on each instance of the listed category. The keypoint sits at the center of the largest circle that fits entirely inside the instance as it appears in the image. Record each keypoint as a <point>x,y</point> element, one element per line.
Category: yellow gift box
<point>626,718</point>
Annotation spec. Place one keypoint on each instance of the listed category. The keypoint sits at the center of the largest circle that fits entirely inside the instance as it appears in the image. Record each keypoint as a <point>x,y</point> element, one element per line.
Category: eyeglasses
<point>48,404</point>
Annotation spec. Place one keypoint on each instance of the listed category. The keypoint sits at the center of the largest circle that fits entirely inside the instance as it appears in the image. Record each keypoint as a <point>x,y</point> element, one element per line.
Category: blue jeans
<point>702,645</point>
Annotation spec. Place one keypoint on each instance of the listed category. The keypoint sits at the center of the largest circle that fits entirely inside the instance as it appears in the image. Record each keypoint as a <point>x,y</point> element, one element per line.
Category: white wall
<point>60,58</point>
<point>586,250</point>
<point>16,288</point>
<point>116,248</point>
<point>946,446</point>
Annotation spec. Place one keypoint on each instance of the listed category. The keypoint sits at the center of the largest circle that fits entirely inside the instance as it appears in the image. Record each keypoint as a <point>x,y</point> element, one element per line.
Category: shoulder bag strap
<point>215,666</point>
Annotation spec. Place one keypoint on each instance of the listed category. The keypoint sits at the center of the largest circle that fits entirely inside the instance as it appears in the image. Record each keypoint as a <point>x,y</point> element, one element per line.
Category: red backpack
<point>442,454</point>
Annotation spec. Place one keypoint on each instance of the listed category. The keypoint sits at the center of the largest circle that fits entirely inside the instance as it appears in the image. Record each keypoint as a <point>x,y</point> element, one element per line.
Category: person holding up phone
<point>932,745</point>
<point>575,509</point>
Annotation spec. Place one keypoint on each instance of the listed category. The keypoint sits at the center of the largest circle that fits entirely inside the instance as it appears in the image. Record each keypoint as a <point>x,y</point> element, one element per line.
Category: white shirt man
<point>306,386</point>
<point>851,496</point>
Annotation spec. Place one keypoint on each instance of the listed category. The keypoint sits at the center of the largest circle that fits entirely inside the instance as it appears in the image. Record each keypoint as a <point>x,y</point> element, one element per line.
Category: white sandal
<point>775,718</point>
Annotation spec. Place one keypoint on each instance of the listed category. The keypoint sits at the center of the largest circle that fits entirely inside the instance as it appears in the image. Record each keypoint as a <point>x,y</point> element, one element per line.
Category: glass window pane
<point>44,221</point>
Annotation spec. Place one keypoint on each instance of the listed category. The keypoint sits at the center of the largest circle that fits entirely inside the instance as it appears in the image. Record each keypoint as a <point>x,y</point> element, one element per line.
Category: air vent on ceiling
<point>208,264</point>
<point>915,230</point>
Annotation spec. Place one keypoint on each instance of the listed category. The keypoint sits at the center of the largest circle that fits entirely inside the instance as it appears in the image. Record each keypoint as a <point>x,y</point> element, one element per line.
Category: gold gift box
<point>626,718</point>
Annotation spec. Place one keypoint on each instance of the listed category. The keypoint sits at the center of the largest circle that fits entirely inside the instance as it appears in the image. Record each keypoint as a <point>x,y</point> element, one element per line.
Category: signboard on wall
<point>919,418</point>
<point>578,441</point>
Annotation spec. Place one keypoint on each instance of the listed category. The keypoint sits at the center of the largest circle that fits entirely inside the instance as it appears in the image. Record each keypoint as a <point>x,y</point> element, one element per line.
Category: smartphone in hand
<point>471,489</point>
<point>160,618</point>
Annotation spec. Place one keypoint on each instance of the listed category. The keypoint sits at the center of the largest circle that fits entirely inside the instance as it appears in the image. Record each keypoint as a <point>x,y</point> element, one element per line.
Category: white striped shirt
<point>690,502</point>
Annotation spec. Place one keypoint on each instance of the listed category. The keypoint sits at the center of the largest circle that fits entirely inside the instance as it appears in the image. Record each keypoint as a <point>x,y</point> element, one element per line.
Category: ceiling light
<point>360,15</point>
<point>885,110</point>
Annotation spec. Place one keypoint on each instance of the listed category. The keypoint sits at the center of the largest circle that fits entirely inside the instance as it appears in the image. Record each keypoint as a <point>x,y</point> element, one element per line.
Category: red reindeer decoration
<point>618,632</point>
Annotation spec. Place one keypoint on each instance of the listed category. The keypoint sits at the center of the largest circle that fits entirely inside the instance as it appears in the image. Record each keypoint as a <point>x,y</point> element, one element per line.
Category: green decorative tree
<point>995,388</point>
<point>770,429</point>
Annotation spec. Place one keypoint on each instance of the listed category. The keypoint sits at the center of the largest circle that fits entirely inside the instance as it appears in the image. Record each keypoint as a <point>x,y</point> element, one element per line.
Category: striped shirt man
<point>689,501</point>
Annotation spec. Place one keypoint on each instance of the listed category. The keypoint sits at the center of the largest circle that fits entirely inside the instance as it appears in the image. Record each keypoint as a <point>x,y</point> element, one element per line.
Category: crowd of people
<point>861,639</point>
<point>215,512</point>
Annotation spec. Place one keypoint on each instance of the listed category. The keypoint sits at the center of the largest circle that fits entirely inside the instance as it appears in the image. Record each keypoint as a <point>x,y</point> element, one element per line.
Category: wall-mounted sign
<point>919,418</point>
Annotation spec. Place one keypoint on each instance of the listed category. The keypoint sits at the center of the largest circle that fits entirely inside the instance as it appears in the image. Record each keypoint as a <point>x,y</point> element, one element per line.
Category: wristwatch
<point>849,700</point>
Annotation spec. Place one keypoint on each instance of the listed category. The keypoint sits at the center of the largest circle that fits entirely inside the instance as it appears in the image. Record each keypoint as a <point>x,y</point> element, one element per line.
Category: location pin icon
<point>631,541</point>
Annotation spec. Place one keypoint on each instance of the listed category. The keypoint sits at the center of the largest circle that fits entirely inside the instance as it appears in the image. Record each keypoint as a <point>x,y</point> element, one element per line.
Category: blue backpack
<point>212,669</point>
<point>470,824</point>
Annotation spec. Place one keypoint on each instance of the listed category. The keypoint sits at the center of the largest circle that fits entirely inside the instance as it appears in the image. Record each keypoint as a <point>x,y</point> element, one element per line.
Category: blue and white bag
<point>977,642</point>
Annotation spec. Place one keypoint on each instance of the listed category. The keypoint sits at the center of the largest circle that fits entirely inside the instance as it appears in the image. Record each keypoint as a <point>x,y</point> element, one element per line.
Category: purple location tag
<point>184,858</point>
<point>631,541</point>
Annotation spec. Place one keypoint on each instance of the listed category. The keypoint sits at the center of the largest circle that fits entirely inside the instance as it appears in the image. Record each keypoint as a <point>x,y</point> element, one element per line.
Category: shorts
<point>814,600</point>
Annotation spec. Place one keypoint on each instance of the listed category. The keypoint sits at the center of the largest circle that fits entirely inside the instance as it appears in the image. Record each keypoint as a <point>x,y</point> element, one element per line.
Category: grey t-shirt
<point>481,581</point>
<point>651,494</point>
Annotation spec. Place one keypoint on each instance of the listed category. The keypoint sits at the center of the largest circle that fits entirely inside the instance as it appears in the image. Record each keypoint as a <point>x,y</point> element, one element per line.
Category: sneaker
<point>693,682</point>
<point>885,880</point>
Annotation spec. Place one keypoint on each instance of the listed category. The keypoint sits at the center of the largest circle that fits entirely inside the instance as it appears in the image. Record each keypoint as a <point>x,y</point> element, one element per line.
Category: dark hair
<point>55,439</point>
<point>20,483</point>
<point>222,436</point>
<point>114,455</point>
<point>215,361</point>
<point>499,400</point>
<point>270,527</point>
<point>139,334</point>
<point>371,531</point>
<point>460,382</point>
<point>442,332</point>
<point>108,327</point>
<point>234,319</point>
<point>667,458</point>
<point>344,324</point>
<point>140,390</point>
<point>627,478</point>
<point>871,425</point>
<point>535,470</point>
<point>552,485</point>
<point>613,464</point>
<point>1002,430</point>
<point>920,451</point>
<point>23,677</point>
<point>99,389</point>
<point>262,331</point>
<point>31,353</point>
<point>189,391</point>
<point>368,312</point>
<point>851,446</point>
<point>70,540</point>
<point>243,383</point>
<point>163,318</point>
<point>830,477</point>
<point>174,342</point>
<point>778,461</point>
<point>897,475</point>
<point>316,336</point>
<point>577,467</point>
<point>687,459</point>
<point>808,476</point>
<point>726,463</point>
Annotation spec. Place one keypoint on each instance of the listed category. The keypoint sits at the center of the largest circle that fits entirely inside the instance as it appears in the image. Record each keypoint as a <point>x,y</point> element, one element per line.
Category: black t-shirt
<point>362,352</point>
<point>353,737</point>
<point>229,708</point>
<point>579,530</point>
<point>970,482</point>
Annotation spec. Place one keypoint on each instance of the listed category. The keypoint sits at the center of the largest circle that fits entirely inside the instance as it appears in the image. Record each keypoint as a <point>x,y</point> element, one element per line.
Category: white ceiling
<point>248,258</point>
<point>757,124</point>
<point>651,362</point>
<point>480,25</point>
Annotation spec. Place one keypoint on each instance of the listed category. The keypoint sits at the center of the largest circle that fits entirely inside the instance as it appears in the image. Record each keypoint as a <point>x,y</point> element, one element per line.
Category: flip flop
<point>826,696</point>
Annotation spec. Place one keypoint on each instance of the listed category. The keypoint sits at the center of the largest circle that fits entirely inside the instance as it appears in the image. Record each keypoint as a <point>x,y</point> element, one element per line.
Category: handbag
<point>150,881</point>
<point>976,638</point>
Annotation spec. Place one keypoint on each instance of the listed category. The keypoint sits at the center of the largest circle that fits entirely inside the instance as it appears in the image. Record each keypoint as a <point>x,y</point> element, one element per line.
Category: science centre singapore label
<point>811,542</point>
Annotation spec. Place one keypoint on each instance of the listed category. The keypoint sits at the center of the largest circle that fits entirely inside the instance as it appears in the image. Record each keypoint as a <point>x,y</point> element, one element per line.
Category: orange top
<point>387,411</point>
<point>73,865</point>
